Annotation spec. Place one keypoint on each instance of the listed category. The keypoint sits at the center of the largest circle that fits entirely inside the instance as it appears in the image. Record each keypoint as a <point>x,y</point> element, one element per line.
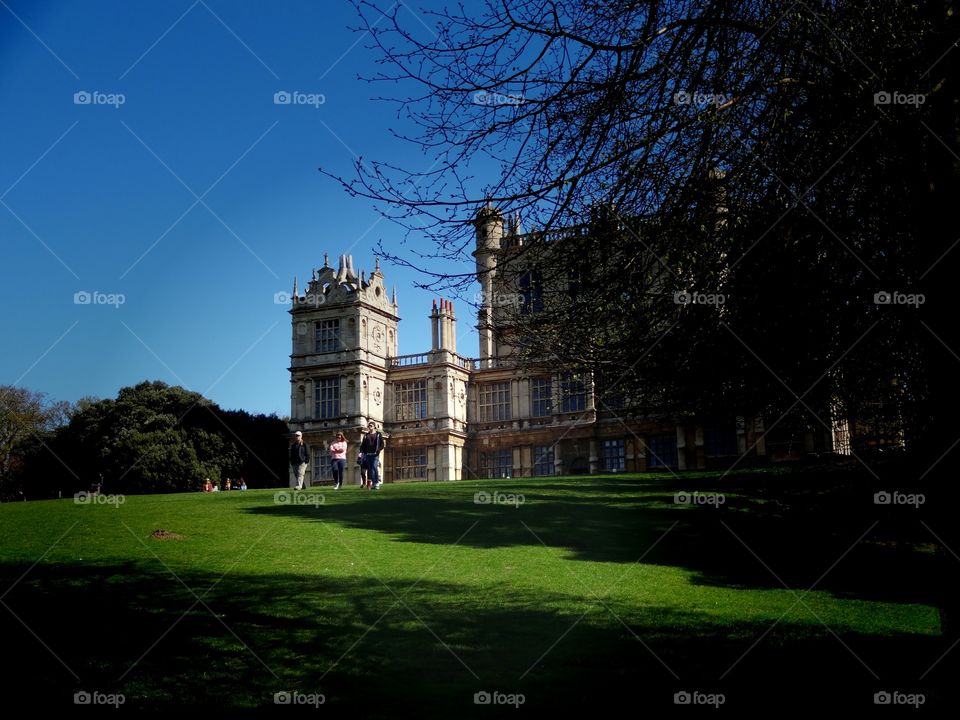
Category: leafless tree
<point>765,150</point>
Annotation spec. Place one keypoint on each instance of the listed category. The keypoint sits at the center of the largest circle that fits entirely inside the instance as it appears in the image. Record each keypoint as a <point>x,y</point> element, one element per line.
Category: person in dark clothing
<point>370,448</point>
<point>299,457</point>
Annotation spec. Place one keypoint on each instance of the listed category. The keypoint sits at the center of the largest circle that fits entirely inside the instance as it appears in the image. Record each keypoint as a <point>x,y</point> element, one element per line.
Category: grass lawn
<point>580,593</point>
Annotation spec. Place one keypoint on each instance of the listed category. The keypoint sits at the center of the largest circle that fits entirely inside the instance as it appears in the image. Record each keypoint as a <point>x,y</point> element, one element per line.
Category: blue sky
<point>102,196</point>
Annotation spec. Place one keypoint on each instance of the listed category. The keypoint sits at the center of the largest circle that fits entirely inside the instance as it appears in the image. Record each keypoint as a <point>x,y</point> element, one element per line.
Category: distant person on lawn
<point>338,459</point>
<point>370,448</point>
<point>299,457</point>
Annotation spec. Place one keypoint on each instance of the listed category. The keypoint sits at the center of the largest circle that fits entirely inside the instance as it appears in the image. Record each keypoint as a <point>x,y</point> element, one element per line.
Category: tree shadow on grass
<point>760,537</point>
<point>135,630</point>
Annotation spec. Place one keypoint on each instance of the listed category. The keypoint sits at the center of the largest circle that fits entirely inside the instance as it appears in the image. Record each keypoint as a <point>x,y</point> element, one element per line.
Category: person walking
<point>370,448</point>
<point>299,457</point>
<point>338,459</point>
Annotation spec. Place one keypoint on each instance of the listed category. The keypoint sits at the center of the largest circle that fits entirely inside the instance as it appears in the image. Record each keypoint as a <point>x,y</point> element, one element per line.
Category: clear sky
<point>177,183</point>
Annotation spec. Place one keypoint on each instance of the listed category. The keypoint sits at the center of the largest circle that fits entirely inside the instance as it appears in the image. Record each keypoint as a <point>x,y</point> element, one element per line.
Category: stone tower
<point>489,225</point>
<point>344,332</point>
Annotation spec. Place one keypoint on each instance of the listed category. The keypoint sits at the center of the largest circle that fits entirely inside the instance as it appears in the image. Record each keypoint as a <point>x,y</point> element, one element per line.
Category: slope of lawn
<point>569,591</point>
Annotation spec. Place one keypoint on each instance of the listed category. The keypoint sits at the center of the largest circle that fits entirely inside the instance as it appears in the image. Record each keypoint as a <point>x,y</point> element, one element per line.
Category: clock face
<point>463,397</point>
<point>377,396</point>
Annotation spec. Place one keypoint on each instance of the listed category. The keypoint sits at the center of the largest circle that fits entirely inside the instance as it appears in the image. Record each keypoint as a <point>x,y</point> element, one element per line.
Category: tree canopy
<point>25,417</point>
<point>792,157</point>
<point>152,438</point>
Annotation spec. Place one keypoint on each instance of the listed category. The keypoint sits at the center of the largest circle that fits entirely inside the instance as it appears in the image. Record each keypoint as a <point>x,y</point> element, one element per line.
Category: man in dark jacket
<point>299,457</point>
<point>370,448</point>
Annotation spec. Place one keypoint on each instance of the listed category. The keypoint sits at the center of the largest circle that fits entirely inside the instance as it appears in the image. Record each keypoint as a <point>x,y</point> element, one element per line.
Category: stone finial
<point>295,286</point>
<point>326,260</point>
<point>394,295</point>
<point>377,261</point>
<point>346,273</point>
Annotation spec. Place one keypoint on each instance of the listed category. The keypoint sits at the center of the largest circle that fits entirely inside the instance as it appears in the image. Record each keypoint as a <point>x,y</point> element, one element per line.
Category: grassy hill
<point>569,592</point>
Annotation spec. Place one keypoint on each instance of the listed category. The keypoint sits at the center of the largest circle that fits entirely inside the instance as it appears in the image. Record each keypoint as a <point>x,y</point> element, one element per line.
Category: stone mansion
<point>450,417</point>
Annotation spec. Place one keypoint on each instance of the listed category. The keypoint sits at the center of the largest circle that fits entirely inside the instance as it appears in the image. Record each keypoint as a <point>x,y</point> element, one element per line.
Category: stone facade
<point>450,417</point>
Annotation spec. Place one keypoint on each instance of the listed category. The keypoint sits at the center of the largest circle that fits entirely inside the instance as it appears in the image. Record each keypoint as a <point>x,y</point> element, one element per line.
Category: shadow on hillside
<point>762,536</point>
<point>136,629</point>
